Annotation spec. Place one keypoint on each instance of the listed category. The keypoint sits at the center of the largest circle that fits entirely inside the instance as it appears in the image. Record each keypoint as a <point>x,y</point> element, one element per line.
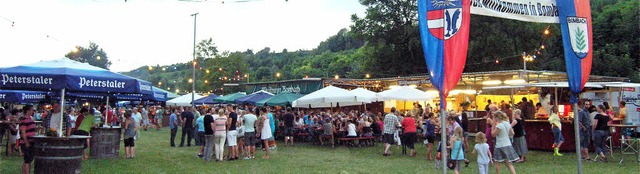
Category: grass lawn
<point>154,155</point>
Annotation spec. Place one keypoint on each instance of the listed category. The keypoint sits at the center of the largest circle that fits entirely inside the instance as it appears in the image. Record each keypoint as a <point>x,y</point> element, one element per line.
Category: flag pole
<point>443,133</point>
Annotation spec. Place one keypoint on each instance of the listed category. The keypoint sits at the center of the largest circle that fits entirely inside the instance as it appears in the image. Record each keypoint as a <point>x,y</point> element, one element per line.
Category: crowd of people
<point>240,129</point>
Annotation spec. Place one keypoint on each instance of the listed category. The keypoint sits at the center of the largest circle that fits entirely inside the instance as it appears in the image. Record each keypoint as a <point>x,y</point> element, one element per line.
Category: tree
<point>391,29</point>
<point>93,54</point>
<point>206,49</point>
<point>616,38</point>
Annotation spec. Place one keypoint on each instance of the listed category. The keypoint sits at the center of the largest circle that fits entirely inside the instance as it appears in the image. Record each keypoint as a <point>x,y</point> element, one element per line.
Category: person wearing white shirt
<point>137,117</point>
<point>351,129</point>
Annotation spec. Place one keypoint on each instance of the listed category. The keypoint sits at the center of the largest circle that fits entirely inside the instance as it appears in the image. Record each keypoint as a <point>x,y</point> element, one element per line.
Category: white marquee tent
<point>329,96</point>
<point>184,100</point>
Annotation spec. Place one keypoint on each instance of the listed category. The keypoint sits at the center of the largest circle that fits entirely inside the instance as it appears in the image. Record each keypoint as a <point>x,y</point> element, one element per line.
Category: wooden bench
<point>301,135</point>
<point>350,141</point>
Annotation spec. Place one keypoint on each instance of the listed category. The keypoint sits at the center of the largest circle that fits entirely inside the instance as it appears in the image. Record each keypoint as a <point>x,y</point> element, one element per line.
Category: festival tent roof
<point>618,84</point>
<point>230,98</point>
<point>184,100</point>
<point>282,99</point>
<point>253,98</point>
<point>329,96</point>
<point>208,100</point>
<point>19,96</point>
<point>365,95</point>
<point>170,95</point>
<point>405,93</point>
<point>70,75</point>
<point>562,85</point>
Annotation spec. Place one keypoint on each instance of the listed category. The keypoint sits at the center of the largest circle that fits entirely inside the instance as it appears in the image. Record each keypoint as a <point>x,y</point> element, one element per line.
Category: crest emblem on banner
<point>444,18</point>
<point>579,34</point>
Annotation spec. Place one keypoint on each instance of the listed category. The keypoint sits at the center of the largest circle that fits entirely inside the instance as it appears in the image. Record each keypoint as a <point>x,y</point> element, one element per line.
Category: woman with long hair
<point>556,128</point>
<point>503,151</point>
<point>456,144</point>
<point>519,140</point>
<point>600,129</point>
<point>220,134</point>
<point>264,130</point>
<point>428,129</point>
<point>129,132</point>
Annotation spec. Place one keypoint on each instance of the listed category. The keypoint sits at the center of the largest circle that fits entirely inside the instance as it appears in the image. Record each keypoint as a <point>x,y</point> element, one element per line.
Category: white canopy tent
<point>184,100</point>
<point>405,93</point>
<point>365,95</point>
<point>329,96</point>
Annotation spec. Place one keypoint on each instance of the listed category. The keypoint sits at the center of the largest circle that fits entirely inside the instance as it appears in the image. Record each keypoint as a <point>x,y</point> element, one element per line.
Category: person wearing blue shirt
<point>200,134</point>
<point>173,124</point>
<point>306,118</point>
<point>272,124</point>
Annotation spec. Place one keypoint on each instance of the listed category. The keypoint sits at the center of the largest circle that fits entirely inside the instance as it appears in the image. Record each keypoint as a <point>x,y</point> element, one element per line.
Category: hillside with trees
<point>386,43</point>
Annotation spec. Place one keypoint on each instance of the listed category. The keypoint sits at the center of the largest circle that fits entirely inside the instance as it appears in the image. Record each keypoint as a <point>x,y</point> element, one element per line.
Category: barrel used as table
<point>58,154</point>
<point>105,142</point>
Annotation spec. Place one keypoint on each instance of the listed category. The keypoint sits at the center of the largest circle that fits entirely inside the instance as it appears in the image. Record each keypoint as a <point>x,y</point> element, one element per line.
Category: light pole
<point>193,74</point>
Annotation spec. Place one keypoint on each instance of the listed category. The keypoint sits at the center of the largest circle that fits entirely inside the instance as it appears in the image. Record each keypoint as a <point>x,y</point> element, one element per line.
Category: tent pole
<point>106,114</point>
<point>61,111</point>
<point>556,96</point>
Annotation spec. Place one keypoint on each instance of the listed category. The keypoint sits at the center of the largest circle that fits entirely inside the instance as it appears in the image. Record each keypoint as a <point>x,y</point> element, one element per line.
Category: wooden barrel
<point>105,142</point>
<point>58,154</point>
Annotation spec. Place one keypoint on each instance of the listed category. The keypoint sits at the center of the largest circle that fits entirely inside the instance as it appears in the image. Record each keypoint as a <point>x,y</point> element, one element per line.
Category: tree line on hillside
<point>386,43</point>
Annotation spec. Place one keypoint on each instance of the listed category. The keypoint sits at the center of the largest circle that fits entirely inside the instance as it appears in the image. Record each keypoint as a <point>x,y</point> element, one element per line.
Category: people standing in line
<point>249,124</point>
<point>129,133</point>
<point>456,144</point>
<point>556,128</point>
<point>27,130</point>
<point>200,133</point>
<point>390,124</point>
<point>429,134</point>
<point>585,129</point>
<point>288,127</point>
<point>84,122</point>
<point>173,125</point>
<point>504,151</point>
<point>600,129</point>
<point>187,126</point>
<point>53,120</point>
<point>264,130</point>
<point>232,134</point>
<point>482,150</point>
<point>209,126</point>
<point>409,134</point>
<point>220,134</point>
<point>519,140</point>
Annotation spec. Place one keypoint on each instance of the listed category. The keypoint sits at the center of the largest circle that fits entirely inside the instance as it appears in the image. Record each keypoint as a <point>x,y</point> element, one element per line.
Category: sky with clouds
<point>150,32</point>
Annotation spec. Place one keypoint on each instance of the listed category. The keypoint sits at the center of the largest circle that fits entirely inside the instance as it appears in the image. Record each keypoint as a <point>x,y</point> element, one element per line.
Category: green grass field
<point>154,155</point>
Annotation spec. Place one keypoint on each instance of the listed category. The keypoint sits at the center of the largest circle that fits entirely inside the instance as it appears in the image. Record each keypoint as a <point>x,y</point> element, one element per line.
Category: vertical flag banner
<point>575,23</point>
<point>444,30</point>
